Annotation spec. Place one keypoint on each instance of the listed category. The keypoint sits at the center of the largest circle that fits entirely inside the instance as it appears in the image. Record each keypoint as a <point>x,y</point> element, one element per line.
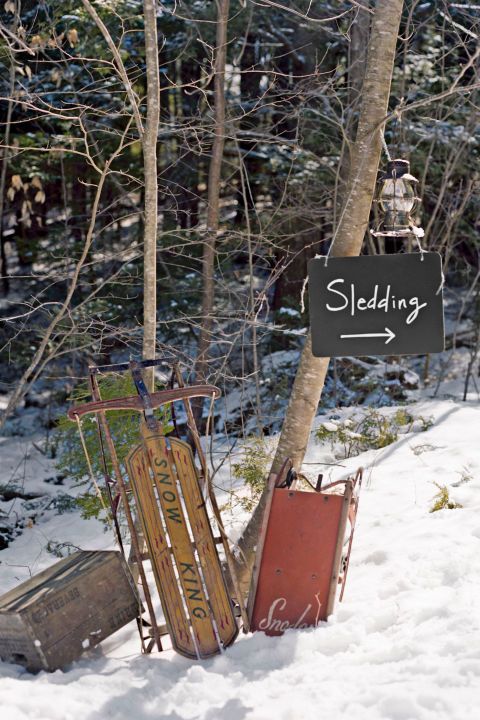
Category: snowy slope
<point>404,644</point>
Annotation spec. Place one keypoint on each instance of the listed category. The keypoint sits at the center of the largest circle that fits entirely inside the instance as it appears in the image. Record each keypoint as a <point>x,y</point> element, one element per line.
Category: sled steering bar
<point>134,402</point>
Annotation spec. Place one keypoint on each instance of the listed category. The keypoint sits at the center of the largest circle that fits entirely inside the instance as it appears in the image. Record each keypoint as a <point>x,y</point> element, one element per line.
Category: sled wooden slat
<point>220,602</point>
<point>159,551</point>
<point>187,567</point>
<point>298,559</point>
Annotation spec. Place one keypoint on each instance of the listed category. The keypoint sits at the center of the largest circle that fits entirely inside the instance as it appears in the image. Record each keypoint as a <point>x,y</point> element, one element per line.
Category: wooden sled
<point>170,500</point>
<point>301,555</point>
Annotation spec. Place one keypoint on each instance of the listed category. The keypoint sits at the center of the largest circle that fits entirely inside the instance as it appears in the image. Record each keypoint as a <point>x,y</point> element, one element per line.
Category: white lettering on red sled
<point>275,624</point>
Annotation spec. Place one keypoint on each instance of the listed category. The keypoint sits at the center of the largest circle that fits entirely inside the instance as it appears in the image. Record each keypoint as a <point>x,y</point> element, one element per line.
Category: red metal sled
<point>300,557</point>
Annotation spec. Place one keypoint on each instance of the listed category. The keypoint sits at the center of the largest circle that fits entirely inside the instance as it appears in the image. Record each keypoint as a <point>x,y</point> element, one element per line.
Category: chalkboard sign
<point>376,305</point>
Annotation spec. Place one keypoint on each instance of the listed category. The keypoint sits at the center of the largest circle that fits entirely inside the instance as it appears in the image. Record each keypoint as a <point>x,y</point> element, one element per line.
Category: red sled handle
<point>134,402</point>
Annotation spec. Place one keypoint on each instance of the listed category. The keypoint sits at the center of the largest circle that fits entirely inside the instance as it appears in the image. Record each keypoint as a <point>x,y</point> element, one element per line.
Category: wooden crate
<point>49,620</point>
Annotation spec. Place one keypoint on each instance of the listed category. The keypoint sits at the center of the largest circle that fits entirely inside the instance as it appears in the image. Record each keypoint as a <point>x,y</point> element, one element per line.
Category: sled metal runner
<point>170,497</point>
<point>301,556</point>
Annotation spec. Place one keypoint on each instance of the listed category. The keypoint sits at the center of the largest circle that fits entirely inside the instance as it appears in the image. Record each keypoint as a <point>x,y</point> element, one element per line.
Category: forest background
<point>257,105</point>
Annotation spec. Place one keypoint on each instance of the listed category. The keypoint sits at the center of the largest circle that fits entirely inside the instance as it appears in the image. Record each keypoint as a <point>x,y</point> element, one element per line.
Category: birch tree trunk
<point>347,241</point>
<point>214,177</point>
<point>151,187</point>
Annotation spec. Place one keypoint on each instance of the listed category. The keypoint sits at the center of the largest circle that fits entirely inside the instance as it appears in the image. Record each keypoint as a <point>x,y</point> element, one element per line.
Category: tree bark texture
<point>347,241</point>
<point>151,185</point>
<point>357,61</point>
<point>357,55</point>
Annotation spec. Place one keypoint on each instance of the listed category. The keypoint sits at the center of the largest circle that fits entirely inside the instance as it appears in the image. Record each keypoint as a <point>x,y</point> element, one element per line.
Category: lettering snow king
<point>172,505</point>
<point>188,571</point>
<point>193,588</point>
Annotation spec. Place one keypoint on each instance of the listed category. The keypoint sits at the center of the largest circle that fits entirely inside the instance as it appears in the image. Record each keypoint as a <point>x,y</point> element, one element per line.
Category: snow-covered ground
<point>404,644</point>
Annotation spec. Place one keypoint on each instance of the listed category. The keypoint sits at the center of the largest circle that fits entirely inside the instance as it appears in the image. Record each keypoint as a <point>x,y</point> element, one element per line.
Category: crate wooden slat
<point>49,620</point>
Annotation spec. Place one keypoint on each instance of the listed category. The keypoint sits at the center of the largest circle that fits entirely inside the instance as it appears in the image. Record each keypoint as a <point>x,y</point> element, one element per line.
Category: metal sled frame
<point>170,496</point>
<point>301,556</point>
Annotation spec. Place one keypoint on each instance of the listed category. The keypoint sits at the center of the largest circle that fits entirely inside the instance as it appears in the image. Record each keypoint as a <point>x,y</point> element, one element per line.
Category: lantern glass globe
<point>397,197</point>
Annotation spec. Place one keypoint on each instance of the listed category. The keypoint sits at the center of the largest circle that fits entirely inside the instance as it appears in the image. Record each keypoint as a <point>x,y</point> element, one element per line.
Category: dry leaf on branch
<point>37,42</point>
<point>16,182</point>
<point>56,77</point>
<point>25,209</point>
<point>56,41</point>
<point>72,37</point>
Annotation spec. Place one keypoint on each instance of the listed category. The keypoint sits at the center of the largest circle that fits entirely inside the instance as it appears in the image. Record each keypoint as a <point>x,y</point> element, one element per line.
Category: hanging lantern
<point>397,199</point>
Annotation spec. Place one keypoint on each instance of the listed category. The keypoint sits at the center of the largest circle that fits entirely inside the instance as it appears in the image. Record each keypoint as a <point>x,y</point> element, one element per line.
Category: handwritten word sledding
<point>378,301</point>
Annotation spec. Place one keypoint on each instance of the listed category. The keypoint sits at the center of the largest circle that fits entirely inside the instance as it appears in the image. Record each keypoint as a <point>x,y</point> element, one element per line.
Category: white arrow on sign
<point>387,334</point>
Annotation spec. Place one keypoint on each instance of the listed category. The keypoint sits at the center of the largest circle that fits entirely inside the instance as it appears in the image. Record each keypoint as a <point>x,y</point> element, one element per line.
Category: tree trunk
<point>357,61</point>
<point>3,182</point>
<point>213,200</point>
<point>186,172</point>
<point>347,241</point>
<point>151,186</point>
<point>3,173</point>
<point>357,55</point>
<point>249,121</point>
